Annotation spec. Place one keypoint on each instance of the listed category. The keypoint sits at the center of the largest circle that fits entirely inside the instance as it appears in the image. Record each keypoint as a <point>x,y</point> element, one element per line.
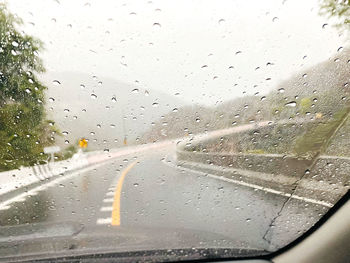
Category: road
<point>148,190</point>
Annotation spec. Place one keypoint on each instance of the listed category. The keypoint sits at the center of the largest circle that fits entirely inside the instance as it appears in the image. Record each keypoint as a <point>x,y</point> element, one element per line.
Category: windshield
<point>125,126</point>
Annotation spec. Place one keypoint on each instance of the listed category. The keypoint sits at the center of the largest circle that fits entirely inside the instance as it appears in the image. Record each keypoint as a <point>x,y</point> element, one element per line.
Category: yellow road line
<point>117,194</point>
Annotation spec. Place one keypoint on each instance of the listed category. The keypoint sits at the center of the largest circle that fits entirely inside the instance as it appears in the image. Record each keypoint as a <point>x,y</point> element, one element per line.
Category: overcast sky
<point>206,50</point>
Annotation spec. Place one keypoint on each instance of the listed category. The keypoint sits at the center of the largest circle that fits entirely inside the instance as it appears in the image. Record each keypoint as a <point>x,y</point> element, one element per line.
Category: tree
<point>24,130</point>
<point>340,10</point>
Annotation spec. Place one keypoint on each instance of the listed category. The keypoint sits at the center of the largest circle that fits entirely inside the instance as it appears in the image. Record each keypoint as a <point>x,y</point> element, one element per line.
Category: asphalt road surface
<point>148,190</point>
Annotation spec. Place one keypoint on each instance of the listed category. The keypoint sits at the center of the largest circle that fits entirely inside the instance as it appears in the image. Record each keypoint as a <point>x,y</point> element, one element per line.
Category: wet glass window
<point>193,128</point>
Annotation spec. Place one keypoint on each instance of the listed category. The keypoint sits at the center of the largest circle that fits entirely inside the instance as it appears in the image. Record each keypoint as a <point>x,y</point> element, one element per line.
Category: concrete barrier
<point>25,176</point>
<point>328,180</point>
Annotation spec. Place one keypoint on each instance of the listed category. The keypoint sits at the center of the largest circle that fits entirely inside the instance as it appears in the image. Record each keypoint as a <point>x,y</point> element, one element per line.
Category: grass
<point>315,140</point>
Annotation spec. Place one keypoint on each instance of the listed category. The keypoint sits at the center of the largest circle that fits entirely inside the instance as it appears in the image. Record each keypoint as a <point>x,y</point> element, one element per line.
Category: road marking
<point>103,221</point>
<point>19,198</point>
<point>118,191</point>
<point>106,209</point>
<point>108,200</point>
<point>110,193</point>
<point>269,190</point>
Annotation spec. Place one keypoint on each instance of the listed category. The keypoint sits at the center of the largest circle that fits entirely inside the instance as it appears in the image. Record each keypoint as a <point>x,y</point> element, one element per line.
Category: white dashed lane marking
<point>108,200</point>
<point>106,209</point>
<point>104,221</point>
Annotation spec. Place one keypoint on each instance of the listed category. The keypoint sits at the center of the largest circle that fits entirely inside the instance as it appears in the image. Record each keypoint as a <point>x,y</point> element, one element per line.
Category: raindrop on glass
<point>291,104</point>
<point>56,82</point>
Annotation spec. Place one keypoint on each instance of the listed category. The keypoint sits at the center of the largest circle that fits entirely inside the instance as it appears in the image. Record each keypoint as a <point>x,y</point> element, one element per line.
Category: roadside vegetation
<point>24,129</point>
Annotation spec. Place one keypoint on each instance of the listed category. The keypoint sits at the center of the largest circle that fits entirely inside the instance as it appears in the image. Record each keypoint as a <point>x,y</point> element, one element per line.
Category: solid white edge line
<point>269,190</point>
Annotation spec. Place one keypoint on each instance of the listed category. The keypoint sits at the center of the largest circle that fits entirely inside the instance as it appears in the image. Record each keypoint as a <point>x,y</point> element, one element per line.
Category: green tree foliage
<point>23,128</point>
<point>340,10</point>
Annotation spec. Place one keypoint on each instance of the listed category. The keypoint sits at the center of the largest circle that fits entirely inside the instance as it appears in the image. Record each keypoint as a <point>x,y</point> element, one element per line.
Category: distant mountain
<point>321,90</point>
<point>101,109</point>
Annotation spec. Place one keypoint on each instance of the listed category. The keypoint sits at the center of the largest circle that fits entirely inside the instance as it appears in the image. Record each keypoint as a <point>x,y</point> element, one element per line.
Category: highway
<point>148,190</point>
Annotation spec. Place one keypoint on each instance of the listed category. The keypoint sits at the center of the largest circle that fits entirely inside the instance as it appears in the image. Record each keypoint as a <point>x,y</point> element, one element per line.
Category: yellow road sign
<point>318,115</point>
<point>83,143</point>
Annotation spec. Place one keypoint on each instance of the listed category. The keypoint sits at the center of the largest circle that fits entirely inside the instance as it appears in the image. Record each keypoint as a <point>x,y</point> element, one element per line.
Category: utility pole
<point>125,141</point>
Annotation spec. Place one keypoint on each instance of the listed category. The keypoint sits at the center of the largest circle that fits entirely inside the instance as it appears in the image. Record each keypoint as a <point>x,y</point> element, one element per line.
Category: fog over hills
<point>102,110</point>
<point>323,89</point>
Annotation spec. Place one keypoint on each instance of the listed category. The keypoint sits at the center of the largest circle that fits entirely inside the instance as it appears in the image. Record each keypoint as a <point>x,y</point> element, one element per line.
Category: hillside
<point>102,110</point>
<point>318,92</point>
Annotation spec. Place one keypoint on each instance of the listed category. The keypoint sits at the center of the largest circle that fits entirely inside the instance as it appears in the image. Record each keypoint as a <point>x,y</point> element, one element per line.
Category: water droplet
<point>221,21</point>
<point>92,133</point>
<point>307,171</point>
<point>324,26</point>
<point>263,98</point>
<point>198,119</point>
<point>66,110</point>
<point>304,75</point>
<point>93,96</point>
<point>336,60</point>
<point>112,126</point>
<point>136,184</point>
<point>340,49</point>
<point>132,14</point>
<point>155,104</point>
<point>135,91</point>
<point>65,133</point>
<point>106,150</point>
<point>281,90</point>
<point>14,43</point>
<point>274,19</point>
<point>82,86</point>
<point>175,110</point>
<point>114,99</point>
<point>28,91</point>
<point>157,25</point>
<point>248,220</point>
<point>51,99</point>
<point>204,66</point>
<point>98,126</point>
<point>99,83</point>
<point>66,142</point>
<point>56,82</point>
<point>238,52</point>
<point>146,93</point>
<point>291,104</point>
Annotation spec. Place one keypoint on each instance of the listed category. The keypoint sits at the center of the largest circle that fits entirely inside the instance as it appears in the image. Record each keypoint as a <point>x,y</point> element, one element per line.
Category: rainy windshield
<point>218,127</point>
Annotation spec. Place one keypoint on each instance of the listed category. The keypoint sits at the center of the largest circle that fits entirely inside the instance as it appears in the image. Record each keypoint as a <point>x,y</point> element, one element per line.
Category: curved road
<point>148,190</point>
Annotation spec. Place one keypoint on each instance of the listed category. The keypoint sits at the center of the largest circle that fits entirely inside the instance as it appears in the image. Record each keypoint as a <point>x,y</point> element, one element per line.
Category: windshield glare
<point>197,128</point>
